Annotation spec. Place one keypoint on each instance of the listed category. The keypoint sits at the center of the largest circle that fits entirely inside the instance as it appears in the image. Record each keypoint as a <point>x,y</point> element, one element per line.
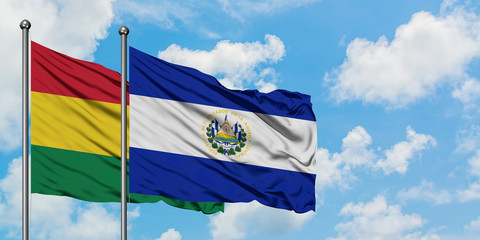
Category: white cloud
<point>91,222</point>
<point>268,78</point>
<point>425,192</point>
<point>265,87</point>
<point>11,198</point>
<point>331,171</point>
<point>53,217</point>
<point>132,214</point>
<point>447,5</point>
<point>243,219</point>
<point>397,157</point>
<point>474,226</point>
<point>163,13</point>
<point>72,27</point>
<point>426,52</point>
<point>342,43</point>
<point>190,14</point>
<point>237,63</point>
<point>474,163</point>
<point>473,192</point>
<point>420,236</point>
<point>337,168</point>
<point>355,150</point>
<point>170,234</point>
<point>170,14</point>
<point>241,9</point>
<point>378,220</point>
<point>468,93</point>
<point>470,194</point>
<point>468,140</point>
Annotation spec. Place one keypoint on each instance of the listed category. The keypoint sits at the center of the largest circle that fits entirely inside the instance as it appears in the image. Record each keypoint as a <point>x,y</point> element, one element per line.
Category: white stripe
<point>176,127</point>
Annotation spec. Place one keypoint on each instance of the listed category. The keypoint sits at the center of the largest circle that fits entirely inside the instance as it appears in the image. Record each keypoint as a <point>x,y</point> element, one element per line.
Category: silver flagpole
<point>25,26</point>
<point>123,31</point>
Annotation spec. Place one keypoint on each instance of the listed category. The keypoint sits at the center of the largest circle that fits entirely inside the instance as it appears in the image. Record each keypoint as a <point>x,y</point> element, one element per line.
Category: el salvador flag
<point>182,144</point>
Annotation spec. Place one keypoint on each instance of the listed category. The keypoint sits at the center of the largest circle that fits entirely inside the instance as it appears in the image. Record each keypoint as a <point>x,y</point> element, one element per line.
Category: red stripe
<point>57,73</point>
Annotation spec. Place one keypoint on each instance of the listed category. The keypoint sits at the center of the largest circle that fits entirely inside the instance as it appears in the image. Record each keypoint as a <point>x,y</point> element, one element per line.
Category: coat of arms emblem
<point>226,138</point>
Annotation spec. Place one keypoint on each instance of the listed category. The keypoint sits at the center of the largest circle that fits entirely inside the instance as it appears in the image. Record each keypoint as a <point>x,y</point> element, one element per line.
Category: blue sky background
<point>394,87</point>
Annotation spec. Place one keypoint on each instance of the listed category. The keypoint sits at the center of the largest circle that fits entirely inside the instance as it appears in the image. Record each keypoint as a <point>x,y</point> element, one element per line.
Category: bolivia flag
<point>75,131</point>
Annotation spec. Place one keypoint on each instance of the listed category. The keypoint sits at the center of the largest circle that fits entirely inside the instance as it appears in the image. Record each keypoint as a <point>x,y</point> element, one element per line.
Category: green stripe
<point>91,177</point>
<point>234,140</point>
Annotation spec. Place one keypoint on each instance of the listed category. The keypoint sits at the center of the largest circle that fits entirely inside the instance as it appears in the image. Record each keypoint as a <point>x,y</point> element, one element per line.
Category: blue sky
<point>395,88</point>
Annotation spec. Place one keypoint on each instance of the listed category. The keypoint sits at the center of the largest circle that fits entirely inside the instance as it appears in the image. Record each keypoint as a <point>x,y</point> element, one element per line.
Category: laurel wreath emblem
<point>227,150</point>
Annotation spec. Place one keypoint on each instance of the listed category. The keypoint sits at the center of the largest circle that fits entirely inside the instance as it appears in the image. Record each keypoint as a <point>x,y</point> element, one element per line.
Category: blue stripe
<point>197,179</point>
<point>153,77</point>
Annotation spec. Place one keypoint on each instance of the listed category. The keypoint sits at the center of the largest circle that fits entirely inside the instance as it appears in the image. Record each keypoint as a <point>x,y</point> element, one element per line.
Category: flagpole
<point>123,31</point>
<point>25,26</point>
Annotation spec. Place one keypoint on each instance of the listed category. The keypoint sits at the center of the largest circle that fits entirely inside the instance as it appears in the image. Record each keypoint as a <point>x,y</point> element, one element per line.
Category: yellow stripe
<point>76,124</point>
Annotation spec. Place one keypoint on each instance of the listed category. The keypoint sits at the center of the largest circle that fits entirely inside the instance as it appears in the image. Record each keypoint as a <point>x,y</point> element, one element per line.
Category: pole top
<point>25,24</point>
<point>123,30</point>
